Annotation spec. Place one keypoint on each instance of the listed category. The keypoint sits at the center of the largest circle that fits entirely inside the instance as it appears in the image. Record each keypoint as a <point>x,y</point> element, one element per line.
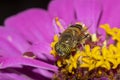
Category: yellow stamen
<point>106,57</point>
<point>59,63</point>
<point>53,52</point>
<point>59,24</point>
<point>105,43</point>
<point>72,62</point>
<point>56,38</point>
<point>113,32</point>
<point>94,38</point>
<point>87,48</point>
<point>99,72</point>
<point>106,27</point>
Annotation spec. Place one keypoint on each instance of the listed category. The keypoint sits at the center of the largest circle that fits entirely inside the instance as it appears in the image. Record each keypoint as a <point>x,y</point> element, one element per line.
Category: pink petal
<point>13,76</point>
<point>88,12</point>
<point>7,49</point>
<point>34,25</point>
<point>41,50</point>
<point>44,73</point>
<point>16,61</point>
<point>63,9</point>
<point>111,10</point>
<point>11,41</point>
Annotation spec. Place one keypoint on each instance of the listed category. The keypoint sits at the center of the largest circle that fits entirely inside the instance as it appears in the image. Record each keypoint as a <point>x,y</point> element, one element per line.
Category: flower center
<point>90,57</point>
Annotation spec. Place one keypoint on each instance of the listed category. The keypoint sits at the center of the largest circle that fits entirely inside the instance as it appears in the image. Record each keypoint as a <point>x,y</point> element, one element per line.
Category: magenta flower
<point>26,37</point>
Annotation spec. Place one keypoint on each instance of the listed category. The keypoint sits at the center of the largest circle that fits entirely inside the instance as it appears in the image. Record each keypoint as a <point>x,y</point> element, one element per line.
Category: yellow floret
<point>53,52</point>
<point>103,56</point>
<point>59,63</point>
<point>113,32</point>
<point>94,37</point>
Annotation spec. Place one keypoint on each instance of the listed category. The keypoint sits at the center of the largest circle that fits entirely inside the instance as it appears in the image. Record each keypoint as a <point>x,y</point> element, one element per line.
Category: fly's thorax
<point>82,33</point>
<point>69,37</point>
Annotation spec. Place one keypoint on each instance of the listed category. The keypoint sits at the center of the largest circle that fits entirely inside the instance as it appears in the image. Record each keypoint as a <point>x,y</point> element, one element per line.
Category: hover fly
<point>70,39</point>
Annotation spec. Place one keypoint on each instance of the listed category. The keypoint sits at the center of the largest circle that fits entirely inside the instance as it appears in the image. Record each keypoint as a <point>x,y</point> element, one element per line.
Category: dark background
<point>11,7</point>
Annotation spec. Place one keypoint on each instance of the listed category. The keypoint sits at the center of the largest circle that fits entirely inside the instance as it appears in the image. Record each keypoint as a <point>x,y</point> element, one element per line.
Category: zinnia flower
<point>27,37</point>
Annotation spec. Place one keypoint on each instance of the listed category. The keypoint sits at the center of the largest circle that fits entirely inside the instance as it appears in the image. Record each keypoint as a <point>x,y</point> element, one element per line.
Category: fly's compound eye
<point>58,49</point>
<point>62,49</point>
